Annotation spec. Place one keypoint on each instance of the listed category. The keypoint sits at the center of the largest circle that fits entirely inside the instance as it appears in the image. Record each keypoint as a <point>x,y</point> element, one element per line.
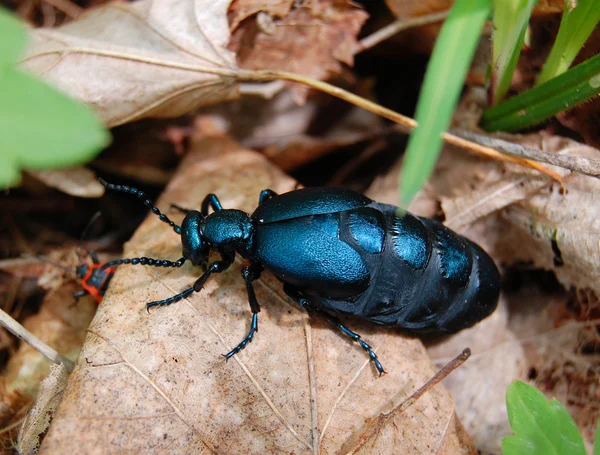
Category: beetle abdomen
<point>427,277</point>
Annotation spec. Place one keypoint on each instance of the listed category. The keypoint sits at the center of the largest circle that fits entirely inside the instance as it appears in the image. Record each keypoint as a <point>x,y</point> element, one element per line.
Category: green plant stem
<point>576,26</point>
<point>443,82</point>
<point>540,103</point>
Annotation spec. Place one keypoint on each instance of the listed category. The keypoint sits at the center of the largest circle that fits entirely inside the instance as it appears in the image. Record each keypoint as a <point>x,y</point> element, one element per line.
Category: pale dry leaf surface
<point>158,382</point>
<point>76,181</point>
<point>150,58</point>
<point>311,40</point>
<point>38,419</point>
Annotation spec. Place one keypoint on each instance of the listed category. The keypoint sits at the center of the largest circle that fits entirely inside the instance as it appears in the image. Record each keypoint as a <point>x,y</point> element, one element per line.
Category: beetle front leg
<point>296,295</point>
<point>249,273</point>
<point>213,201</point>
<point>215,267</point>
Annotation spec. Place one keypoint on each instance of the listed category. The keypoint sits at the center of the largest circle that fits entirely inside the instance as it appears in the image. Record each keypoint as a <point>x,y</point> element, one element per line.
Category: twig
<point>12,426</point>
<point>574,163</point>
<point>270,75</point>
<point>397,26</point>
<point>436,379</point>
<point>21,332</point>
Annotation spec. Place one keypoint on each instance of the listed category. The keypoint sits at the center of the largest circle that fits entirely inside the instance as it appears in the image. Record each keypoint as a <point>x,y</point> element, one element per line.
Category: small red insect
<point>94,279</point>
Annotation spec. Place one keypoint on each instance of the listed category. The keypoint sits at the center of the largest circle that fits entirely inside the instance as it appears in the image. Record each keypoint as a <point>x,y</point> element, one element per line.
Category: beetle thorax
<point>226,227</point>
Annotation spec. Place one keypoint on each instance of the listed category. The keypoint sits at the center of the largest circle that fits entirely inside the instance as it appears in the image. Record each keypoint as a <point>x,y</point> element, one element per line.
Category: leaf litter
<point>158,382</point>
<point>134,60</point>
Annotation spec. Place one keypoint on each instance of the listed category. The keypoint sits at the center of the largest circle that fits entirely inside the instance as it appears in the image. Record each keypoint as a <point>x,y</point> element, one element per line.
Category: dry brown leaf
<point>414,8</point>
<point>77,181</point>
<point>159,58</point>
<point>542,226</point>
<point>242,9</point>
<point>311,40</point>
<point>158,382</point>
<point>59,323</point>
<point>38,419</point>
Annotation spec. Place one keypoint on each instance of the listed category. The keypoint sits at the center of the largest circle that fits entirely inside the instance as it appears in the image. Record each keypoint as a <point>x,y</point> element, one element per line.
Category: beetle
<point>337,251</point>
<point>94,278</point>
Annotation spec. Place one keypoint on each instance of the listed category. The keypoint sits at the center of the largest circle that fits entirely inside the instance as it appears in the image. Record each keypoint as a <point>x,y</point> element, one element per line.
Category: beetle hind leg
<point>246,340</point>
<point>249,273</point>
<point>295,295</point>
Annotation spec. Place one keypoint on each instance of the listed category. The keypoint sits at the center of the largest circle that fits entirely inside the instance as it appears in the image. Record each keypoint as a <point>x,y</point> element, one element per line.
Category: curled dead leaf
<point>151,58</point>
<point>312,40</point>
<point>158,382</point>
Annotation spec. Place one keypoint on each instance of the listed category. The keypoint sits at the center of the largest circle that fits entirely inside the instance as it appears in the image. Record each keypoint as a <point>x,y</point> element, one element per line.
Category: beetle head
<point>195,248</point>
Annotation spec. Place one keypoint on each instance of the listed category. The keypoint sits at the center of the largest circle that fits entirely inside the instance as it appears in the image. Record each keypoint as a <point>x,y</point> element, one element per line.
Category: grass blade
<point>576,26</point>
<point>540,103</point>
<point>511,18</point>
<point>443,82</point>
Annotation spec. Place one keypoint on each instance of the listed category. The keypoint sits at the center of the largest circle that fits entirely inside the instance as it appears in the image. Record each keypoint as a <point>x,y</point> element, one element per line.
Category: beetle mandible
<point>337,251</point>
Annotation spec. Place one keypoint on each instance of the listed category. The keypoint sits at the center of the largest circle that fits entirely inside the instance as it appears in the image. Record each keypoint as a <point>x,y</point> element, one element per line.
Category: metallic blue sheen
<point>410,241</point>
<point>307,252</point>
<point>455,263</point>
<point>367,228</point>
<point>194,248</point>
<point>308,201</point>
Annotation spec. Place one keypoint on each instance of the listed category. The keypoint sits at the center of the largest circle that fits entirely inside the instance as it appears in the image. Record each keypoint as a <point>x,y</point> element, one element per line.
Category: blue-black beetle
<point>338,251</point>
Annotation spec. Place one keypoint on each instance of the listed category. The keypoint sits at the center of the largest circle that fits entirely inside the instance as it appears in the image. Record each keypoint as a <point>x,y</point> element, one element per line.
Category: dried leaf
<point>158,383</point>
<point>242,9</point>
<point>152,58</point>
<point>311,40</point>
<point>38,419</point>
<point>414,8</point>
<point>78,181</point>
<point>543,226</point>
<point>60,324</point>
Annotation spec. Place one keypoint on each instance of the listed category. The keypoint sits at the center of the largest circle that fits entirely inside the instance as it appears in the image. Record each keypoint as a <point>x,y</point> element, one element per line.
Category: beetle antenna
<point>47,261</point>
<point>147,202</point>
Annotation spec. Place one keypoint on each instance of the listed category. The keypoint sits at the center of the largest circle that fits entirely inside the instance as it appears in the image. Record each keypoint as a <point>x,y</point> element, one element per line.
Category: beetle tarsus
<point>295,295</point>
<point>246,340</point>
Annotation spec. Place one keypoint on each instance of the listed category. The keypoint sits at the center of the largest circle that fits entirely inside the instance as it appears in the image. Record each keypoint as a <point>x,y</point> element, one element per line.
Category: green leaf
<point>540,427</point>
<point>597,440</point>
<point>577,85</point>
<point>443,82</point>
<point>511,18</point>
<point>12,38</point>
<point>576,26</point>
<point>39,126</point>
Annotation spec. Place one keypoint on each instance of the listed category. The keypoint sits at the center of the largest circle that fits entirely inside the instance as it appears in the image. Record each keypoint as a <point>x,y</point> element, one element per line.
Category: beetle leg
<point>77,295</point>
<point>94,257</point>
<point>213,201</point>
<point>249,273</point>
<point>295,295</point>
<point>215,267</point>
<point>265,195</point>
